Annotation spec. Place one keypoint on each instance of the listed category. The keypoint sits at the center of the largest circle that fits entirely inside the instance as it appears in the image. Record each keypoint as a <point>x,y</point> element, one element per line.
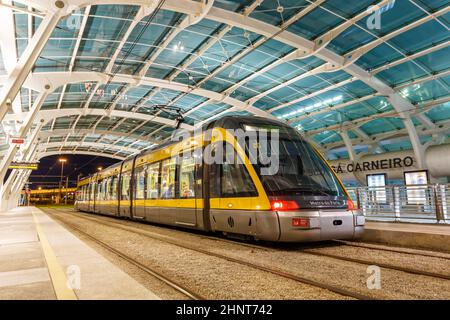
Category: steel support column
<point>11,153</point>
<point>27,153</point>
<point>404,110</point>
<point>348,145</point>
<point>26,62</point>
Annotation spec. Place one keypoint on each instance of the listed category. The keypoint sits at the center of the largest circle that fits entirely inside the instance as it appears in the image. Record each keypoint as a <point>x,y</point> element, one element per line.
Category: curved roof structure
<point>115,77</point>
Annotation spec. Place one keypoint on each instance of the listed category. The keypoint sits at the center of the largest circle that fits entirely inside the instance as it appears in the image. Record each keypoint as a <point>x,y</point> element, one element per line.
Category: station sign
<point>383,164</point>
<point>24,165</point>
<point>17,141</point>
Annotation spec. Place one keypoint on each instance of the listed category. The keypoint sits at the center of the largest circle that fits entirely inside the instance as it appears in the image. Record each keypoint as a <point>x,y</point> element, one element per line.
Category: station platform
<point>40,259</point>
<point>412,235</point>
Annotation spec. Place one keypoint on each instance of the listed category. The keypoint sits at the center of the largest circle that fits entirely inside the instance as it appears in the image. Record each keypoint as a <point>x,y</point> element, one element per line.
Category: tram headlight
<point>284,205</point>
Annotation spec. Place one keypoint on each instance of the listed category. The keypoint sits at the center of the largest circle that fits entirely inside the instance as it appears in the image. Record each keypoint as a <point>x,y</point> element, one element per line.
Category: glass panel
<point>300,171</point>
<point>103,189</point>
<point>125,190</point>
<point>108,189</point>
<point>187,177</point>
<point>140,183</point>
<point>152,181</point>
<point>168,178</point>
<point>92,191</point>
<point>235,180</point>
<point>114,188</point>
<point>98,193</point>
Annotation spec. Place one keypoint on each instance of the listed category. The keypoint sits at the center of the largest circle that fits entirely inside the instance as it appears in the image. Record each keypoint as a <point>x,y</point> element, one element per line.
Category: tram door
<point>125,188</point>
<point>92,188</point>
<point>198,189</point>
<point>188,195</point>
<point>138,197</point>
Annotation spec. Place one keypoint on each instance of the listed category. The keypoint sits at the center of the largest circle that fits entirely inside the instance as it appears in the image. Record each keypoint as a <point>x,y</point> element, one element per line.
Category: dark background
<point>49,173</point>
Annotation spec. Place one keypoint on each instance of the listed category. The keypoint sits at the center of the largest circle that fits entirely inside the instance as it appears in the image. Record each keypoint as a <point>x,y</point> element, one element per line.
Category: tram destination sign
<point>374,165</point>
<point>24,165</point>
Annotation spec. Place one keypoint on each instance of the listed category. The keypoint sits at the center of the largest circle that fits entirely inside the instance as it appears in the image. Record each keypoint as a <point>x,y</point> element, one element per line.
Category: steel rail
<point>173,284</point>
<point>318,284</point>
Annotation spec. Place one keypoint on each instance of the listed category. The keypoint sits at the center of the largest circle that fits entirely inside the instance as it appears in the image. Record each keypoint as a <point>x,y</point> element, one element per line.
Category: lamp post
<point>62,161</point>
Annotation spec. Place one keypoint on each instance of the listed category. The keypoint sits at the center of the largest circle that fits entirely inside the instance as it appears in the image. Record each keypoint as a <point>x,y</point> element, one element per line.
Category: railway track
<point>382,265</point>
<point>397,250</point>
<point>286,275</point>
<point>170,282</point>
<point>274,247</point>
<point>268,246</point>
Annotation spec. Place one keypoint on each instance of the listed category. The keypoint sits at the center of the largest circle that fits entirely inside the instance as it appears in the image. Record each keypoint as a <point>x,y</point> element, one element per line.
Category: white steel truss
<point>402,133</point>
<point>195,9</point>
<point>96,145</point>
<point>43,154</point>
<point>356,123</point>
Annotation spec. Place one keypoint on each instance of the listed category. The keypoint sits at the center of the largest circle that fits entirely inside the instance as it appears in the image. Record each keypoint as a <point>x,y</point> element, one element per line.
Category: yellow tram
<point>178,184</point>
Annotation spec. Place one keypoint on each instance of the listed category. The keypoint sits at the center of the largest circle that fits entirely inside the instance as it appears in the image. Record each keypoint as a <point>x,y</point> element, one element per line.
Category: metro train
<point>178,184</point>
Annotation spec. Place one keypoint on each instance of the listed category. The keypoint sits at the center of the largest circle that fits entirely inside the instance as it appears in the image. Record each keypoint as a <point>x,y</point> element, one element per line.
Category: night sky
<point>49,172</point>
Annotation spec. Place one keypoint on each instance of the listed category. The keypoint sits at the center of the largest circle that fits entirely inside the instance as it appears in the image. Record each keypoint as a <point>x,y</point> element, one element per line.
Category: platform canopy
<point>115,77</point>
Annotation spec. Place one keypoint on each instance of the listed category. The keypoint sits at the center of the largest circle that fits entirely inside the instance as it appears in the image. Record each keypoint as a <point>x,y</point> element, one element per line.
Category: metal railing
<point>415,203</point>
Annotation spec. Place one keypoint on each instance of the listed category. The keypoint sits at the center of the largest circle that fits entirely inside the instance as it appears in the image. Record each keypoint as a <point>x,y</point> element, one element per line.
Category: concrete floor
<point>39,258</point>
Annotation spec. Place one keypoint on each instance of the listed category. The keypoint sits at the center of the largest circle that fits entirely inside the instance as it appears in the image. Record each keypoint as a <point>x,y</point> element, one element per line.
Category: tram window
<point>140,183</point>
<point>106,192</point>
<point>125,187</point>
<point>92,191</point>
<point>235,179</point>
<point>104,185</point>
<point>98,191</point>
<point>152,181</point>
<point>86,192</point>
<point>199,180</point>
<point>113,194</point>
<point>214,175</point>
<point>187,177</point>
<point>168,178</point>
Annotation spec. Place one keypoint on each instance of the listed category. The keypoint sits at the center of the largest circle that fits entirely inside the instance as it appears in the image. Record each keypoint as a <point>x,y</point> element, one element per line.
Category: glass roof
<point>198,71</point>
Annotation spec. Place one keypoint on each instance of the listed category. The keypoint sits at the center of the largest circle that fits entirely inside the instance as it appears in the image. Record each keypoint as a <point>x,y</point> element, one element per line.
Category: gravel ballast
<point>217,278</point>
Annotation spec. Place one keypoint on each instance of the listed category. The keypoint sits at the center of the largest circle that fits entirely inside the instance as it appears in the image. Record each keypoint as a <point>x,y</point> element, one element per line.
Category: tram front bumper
<point>319,225</point>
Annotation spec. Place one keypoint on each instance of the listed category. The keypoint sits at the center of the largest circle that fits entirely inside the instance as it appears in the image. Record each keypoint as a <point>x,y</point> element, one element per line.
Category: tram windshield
<point>301,171</point>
